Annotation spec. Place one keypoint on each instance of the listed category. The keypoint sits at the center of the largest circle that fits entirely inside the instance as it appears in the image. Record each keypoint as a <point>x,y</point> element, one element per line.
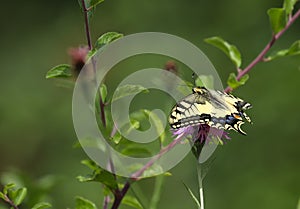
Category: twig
<point>89,40</point>
<point>106,201</point>
<point>10,202</point>
<point>137,175</point>
<point>87,25</point>
<point>119,196</point>
<point>102,113</point>
<point>262,54</point>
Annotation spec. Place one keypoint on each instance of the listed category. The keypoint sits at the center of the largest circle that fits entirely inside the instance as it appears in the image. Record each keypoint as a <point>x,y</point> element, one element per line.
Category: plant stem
<point>137,175</point>
<point>10,202</point>
<point>120,196</point>
<point>87,25</point>
<point>89,40</point>
<point>106,201</point>
<point>200,182</point>
<point>262,54</point>
<point>159,180</point>
<point>102,105</point>
<point>139,194</point>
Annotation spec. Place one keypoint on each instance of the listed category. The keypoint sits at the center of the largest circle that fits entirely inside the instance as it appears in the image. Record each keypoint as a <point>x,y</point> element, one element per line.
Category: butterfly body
<point>214,108</point>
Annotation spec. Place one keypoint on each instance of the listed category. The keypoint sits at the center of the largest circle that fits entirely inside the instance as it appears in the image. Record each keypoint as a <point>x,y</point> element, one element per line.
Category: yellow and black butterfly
<point>214,108</point>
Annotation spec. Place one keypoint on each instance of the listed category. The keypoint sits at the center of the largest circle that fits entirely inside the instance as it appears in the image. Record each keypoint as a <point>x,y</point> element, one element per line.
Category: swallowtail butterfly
<point>214,108</point>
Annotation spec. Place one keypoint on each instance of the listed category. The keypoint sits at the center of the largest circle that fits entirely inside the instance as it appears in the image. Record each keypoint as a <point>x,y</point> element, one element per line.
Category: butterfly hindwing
<point>214,108</point>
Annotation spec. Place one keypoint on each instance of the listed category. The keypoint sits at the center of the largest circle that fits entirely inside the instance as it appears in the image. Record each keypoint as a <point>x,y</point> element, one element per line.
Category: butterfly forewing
<point>214,108</point>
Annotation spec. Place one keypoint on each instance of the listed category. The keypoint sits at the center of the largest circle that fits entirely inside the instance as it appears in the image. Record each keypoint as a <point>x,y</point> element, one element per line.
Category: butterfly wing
<point>190,111</point>
<point>214,108</point>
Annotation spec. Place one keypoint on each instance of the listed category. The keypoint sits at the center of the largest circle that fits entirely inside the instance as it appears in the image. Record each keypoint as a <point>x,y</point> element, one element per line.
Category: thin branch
<point>87,25</point>
<point>111,166</point>
<point>119,196</point>
<point>89,40</point>
<point>262,54</point>
<point>137,175</point>
<point>102,113</point>
<point>106,201</point>
<point>10,202</point>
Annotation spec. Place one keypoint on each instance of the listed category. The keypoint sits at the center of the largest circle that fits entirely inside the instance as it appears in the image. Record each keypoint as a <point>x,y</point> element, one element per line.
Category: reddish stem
<point>10,202</point>
<point>102,105</point>
<point>262,54</point>
<point>106,201</point>
<point>137,175</point>
<point>87,26</point>
<point>89,40</point>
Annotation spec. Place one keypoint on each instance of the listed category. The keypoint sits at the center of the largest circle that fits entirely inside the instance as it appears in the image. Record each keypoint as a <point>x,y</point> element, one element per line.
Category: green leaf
<point>278,19</point>
<point>167,174</point>
<point>127,128</point>
<point>153,171</point>
<point>2,196</point>
<point>234,83</point>
<point>107,38</point>
<point>205,80</point>
<point>160,129</point>
<point>192,195</point>
<point>132,201</point>
<point>117,138</point>
<point>94,3</point>
<point>17,196</point>
<point>187,88</point>
<point>103,91</point>
<point>103,40</point>
<point>42,205</point>
<point>298,206</point>
<point>230,50</point>
<point>127,90</point>
<point>134,124</point>
<point>8,187</point>
<point>91,53</point>
<point>138,115</point>
<point>82,203</point>
<point>86,178</point>
<point>288,6</point>
<point>106,178</point>
<point>90,164</point>
<point>90,143</point>
<point>149,172</point>
<point>99,175</point>
<point>59,71</point>
<point>293,50</point>
<point>136,151</point>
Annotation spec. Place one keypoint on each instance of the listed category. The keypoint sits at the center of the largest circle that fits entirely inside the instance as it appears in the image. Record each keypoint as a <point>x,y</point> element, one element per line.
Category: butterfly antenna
<point>194,79</point>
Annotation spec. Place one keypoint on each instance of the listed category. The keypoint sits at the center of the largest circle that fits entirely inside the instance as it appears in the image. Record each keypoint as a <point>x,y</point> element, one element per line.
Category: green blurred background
<point>36,132</point>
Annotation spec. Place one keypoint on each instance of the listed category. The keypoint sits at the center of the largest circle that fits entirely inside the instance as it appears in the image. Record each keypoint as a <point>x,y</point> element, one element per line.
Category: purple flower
<point>202,133</point>
<point>78,56</point>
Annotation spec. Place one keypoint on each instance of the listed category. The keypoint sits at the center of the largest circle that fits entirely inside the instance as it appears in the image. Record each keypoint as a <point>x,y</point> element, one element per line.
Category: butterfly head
<point>200,90</point>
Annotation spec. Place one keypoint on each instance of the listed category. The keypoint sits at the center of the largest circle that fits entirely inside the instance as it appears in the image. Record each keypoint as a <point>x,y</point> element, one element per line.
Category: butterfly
<point>211,107</point>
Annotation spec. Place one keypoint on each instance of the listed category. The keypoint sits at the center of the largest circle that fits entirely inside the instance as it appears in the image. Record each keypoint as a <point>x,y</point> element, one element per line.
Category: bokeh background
<point>36,132</point>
